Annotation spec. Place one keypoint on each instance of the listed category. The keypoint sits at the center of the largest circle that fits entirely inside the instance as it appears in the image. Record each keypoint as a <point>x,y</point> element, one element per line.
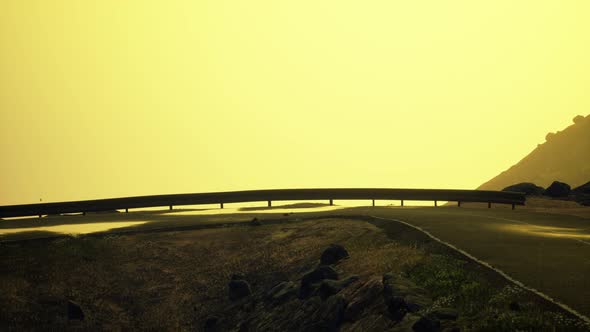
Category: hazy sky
<point>113,98</point>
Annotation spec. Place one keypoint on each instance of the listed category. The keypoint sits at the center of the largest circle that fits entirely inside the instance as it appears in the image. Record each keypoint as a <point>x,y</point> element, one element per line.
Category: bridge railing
<point>125,203</point>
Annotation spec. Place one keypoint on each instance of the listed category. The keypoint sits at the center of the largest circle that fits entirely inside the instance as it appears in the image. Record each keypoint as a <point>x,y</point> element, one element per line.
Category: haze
<point>116,98</point>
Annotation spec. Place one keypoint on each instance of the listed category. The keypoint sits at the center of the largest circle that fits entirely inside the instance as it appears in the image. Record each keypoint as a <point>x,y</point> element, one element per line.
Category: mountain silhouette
<point>564,156</point>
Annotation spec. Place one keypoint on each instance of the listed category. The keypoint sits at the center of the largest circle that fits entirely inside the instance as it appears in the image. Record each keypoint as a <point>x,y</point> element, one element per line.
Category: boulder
<point>514,306</point>
<point>310,279</point>
<point>330,287</point>
<point>74,311</point>
<point>427,324</point>
<point>211,324</point>
<point>402,296</point>
<point>527,188</point>
<point>333,254</point>
<point>255,222</point>
<point>583,189</point>
<point>238,289</point>
<point>558,189</point>
<point>396,307</point>
<point>238,276</point>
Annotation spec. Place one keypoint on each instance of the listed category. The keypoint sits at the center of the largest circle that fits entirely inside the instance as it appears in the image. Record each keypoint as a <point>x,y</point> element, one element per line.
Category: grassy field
<point>175,279</point>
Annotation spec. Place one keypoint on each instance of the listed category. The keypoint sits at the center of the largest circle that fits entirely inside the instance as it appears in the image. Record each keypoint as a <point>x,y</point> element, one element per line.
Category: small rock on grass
<point>238,276</point>
<point>320,273</point>
<point>427,324</point>
<point>239,289</point>
<point>74,311</point>
<point>333,254</point>
<point>514,306</point>
<point>211,324</point>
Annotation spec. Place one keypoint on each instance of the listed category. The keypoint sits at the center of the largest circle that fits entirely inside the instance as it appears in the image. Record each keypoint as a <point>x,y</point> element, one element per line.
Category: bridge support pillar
<point>459,203</point>
<point>269,203</point>
<point>331,202</point>
<point>170,207</point>
<point>489,205</point>
<point>221,205</point>
<point>126,210</point>
<point>435,203</point>
<point>40,216</point>
<point>402,203</point>
<point>373,202</point>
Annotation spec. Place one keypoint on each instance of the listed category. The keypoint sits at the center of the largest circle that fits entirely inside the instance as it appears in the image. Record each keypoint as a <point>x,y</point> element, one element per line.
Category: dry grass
<point>174,280</point>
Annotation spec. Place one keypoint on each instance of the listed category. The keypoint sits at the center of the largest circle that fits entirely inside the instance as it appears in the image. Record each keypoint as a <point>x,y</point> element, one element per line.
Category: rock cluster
<point>558,189</point>
<point>527,188</point>
<point>323,300</point>
<point>238,287</point>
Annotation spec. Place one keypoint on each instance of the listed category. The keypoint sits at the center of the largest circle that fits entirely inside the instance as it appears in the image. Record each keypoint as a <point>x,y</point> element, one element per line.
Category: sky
<point>117,98</point>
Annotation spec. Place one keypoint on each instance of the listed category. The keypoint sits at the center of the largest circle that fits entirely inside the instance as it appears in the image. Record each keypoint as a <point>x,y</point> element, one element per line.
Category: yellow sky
<point>114,98</point>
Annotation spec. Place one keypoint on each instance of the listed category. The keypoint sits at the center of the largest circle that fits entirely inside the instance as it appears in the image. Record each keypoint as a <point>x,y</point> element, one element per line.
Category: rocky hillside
<point>564,156</point>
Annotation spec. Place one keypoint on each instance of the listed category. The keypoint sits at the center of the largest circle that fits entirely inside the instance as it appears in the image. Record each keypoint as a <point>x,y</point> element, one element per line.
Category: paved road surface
<point>548,252</point>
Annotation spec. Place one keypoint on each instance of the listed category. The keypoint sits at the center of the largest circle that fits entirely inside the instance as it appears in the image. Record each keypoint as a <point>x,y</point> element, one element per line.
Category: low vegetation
<point>179,280</point>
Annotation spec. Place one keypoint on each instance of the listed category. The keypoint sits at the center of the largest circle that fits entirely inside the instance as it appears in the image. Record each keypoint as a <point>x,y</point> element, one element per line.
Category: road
<point>548,252</point>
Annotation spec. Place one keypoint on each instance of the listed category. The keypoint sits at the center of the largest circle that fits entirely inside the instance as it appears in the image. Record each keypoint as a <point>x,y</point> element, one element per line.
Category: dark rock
<point>583,189</point>
<point>333,254</point>
<point>319,274</point>
<point>363,298</point>
<point>445,314</point>
<point>244,326</point>
<point>239,289</point>
<point>427,324</point>
<point>527,188</point>
<point>388,276</point>
<point>74,311</point>
<point>330,287</point>
<point>558,189</point>
<point>255,222</point>
<point>514,306</point>
<point>211,324</point>
<point>402,296</point>
<point>396,307</point>
<point>238,276</point>
<point>283,291</point>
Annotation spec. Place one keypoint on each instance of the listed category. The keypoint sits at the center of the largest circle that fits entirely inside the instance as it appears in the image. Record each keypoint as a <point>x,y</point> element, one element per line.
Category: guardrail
<point>125,203</point>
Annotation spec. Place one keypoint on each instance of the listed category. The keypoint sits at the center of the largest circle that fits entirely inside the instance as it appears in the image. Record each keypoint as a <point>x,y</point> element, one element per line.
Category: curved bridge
<point>126,203</point>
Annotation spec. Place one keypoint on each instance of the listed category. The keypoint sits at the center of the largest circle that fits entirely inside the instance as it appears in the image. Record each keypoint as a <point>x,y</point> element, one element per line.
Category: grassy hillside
<point>564,156</point>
